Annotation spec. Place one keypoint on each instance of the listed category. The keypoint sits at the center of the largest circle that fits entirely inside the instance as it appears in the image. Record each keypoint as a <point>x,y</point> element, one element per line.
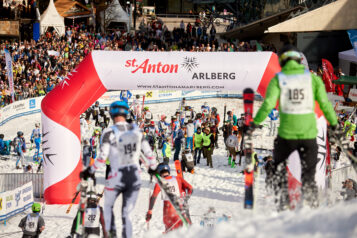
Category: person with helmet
<point>94,142</point>
<point>198,121</point>
<point>232,146</point>
<point>179,139</point>
<point>33,224</point>
<point>296,90</point>
<point>147,115</point>
<point>162,123</point>
<point>95,112</point>
<point>180,187</point>
<point>208,145</point>
<point>136,106</point>
<point>20,148</point>
<point>93,218</point>
<point>166,150</point>
<point>232,118</point>
<point>36,137</point>
<point>205,109</point>
<point>125,95</point>
<point>122,143</point>
<point>187,162</point>
<point>182,105</point>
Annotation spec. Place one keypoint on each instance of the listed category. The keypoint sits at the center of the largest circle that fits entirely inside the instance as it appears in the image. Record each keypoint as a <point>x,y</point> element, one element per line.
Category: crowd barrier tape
<point>15,201</point>
<point>33,105</point>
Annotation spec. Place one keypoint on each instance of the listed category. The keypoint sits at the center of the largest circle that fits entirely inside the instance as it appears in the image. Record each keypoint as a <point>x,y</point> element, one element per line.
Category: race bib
<point>296,96</point>
<point>189,157</point>
<point>172,188</point>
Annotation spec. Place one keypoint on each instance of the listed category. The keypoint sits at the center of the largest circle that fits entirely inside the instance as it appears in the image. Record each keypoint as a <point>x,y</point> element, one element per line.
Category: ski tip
<point>248,90</point>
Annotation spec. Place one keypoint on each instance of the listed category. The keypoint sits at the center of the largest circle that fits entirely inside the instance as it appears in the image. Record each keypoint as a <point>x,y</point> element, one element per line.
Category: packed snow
<point>220,187</point>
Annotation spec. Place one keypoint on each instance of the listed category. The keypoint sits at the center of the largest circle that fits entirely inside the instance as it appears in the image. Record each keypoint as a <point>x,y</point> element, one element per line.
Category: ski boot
<point>229,160</point>
<point>233,165</point>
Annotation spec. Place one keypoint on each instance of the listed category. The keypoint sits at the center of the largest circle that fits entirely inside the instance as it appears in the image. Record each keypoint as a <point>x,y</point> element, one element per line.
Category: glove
<point>148,216</point>
<point>85,174</point>
<point>152,172</point>
<point>31,140</point>
<point>335,131</point>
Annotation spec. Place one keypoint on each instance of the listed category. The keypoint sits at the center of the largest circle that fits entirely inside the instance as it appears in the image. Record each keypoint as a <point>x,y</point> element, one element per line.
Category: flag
<point>10,75</point>
<point>329,76</point>
<point>353,38</point>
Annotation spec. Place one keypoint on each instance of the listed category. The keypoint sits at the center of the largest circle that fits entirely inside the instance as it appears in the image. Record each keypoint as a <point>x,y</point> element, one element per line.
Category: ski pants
<point>20,159</point>
<point>197,156</point>
<point>272,128</point>
<point>207,152</point>
<point>177,150</point>
<point>37,143</point>
<point>126,181</point>
<point>307,149</point>
<point>189,143</point>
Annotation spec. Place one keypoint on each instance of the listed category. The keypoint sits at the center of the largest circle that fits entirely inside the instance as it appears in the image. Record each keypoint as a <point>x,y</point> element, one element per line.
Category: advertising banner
<point>16,201</point>
<point>180,70</point>
<point>9,73</point>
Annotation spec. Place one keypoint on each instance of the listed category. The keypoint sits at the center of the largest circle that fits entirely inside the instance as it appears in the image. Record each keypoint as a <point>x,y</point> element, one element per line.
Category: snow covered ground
<point>221,187</point>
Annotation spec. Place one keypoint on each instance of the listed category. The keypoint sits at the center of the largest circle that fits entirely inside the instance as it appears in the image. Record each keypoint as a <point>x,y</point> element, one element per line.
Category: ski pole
<point>73,200</point>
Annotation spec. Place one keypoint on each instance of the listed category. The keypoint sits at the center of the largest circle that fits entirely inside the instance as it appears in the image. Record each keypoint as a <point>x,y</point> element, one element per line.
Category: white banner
<point>180,70</point>
<point>16,201</point>
<point>9,73</point>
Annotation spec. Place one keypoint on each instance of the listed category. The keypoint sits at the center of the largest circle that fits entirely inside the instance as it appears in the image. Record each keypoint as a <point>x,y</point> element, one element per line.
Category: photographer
<point>350,189</point>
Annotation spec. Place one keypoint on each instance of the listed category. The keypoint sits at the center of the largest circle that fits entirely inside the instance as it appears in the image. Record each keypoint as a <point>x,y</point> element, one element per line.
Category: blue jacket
<point>180,135</point>
<point>125,97</point>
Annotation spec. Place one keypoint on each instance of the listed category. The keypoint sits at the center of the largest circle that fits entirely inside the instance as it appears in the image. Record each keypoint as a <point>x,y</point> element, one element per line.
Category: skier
<point>208,145</point>
<point>125,95</point>
<point>36,137</point>
<point>273,115</point>
<point>162,123</point>
<point>136,106</point>
<point>95,113</point>
<point>84,127</point>
<point>94,143</point>
<point>232,145</point>
<point>198,139</point>
<point>20,148</point>
<point>349,128</point>
<point>187,161</point>
<point>190,132</point>
<point>147,115</point>
<point>205,109</point>
<point>182,105</point>
<point>180,188</point>
<point>93,218</point>
<point>166,150</point>
<point>178,141</point>
<point>122,144</point>
<point>296,90</point>
<point>33,224</point>
<point>198,121</point>
<point>232,118</point>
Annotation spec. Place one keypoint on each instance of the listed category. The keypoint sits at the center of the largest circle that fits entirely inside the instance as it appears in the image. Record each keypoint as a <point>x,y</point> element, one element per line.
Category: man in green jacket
<point>296,90</point>
<point>208,145</point>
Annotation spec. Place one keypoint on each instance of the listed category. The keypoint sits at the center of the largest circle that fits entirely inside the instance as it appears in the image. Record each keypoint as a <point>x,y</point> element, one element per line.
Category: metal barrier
<point>340,175</point>
<point>10,181</point>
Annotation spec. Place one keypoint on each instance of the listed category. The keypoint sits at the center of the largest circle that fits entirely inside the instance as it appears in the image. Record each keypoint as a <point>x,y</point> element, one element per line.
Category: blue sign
<point>32,103</point>
<point>353,38</point>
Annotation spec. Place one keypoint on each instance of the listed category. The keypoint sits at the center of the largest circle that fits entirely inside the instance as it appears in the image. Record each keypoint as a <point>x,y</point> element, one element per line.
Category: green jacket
<point>296,126</point>
<point>198,138</point>
<point>206,139</point>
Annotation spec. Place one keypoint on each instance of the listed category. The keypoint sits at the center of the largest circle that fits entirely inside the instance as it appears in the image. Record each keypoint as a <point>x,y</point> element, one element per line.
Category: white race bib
<point>296,96</point>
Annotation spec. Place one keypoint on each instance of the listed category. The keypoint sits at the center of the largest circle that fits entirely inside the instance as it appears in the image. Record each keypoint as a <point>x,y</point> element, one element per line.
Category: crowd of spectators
<point>39,66</point>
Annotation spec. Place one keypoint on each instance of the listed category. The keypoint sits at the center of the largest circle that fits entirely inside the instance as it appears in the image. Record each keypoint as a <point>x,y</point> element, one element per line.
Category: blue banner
<point>36,31</point>
<point>353,38</point>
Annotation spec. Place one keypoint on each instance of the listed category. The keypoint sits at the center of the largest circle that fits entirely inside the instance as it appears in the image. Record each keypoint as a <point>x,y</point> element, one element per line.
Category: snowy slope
<point>220,187</point>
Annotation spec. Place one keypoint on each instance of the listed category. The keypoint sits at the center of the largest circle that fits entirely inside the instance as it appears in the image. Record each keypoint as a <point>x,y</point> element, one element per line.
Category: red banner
<point>329,76</point>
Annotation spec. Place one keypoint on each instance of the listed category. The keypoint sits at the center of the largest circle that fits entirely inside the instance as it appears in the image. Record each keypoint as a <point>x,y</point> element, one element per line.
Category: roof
<point>257,28</point>
<point>339,15</point>
<point>346,80</point>
<point>69,8</point>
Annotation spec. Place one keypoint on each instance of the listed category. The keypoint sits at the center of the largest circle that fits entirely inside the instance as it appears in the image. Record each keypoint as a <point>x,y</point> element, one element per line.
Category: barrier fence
<point>10,181</point>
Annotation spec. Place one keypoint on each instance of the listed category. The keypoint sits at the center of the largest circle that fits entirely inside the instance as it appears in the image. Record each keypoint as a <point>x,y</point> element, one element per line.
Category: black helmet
<point>289,52</point>
<point>20,133</point>
<point>137,96</point>
<point>97,103</point>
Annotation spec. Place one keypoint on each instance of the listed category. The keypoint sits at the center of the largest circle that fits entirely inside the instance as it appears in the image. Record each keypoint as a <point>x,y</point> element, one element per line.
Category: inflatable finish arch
<point>106,70</point>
